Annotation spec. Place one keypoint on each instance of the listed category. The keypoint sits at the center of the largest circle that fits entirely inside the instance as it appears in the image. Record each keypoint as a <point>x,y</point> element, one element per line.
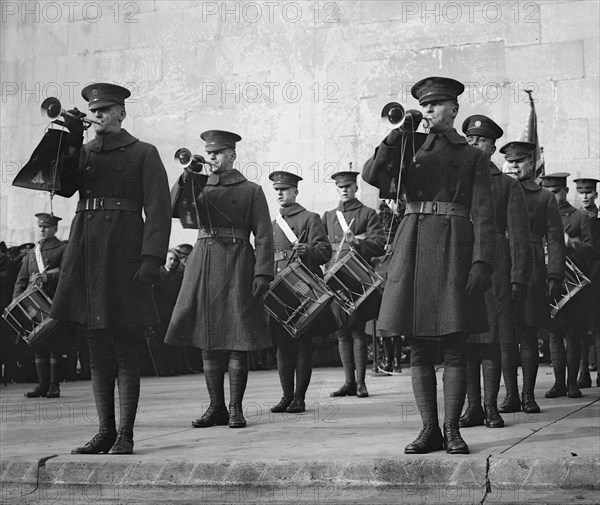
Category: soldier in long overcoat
<point>504,300</point>
<point>113,256</point>
<point>545,281</point>
<point>353,225</point>
<point>41,266</point>
<point>443,254</point>
<point>220,308</point>
<point>571,321</point>
<point>587,193</point>
<point>297,233</point>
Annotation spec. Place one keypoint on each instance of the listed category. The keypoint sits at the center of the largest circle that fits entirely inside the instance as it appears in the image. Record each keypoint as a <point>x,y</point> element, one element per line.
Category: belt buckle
<point>434,208</point>
<point>100,202</point>
<point>422,209</point>
<point>214,232</point>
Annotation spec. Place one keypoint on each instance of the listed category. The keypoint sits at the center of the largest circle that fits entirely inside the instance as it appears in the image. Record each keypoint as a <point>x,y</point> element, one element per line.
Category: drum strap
<point>342,221</point>
<point>39,259</point>
<point>285,228</point>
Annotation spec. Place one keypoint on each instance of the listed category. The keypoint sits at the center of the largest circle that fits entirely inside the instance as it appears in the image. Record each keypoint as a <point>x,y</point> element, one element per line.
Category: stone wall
<point>302,82</point>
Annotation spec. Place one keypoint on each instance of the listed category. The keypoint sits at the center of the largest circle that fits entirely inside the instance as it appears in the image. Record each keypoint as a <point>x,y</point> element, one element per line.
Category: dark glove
<point>393,137</point>
<point>260,286</point>
<point>73,122</point>
<point>148,273</point>
<point>554,289</point>
<point>301,249</point>
<point>480,278</point>
<point>519,291</point>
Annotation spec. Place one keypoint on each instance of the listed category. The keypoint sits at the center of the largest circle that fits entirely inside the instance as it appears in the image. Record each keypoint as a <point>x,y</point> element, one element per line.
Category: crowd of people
<point>476,261</point>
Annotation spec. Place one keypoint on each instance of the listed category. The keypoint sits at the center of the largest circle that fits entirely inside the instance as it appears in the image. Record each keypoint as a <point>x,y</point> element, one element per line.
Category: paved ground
<point>342,450</point>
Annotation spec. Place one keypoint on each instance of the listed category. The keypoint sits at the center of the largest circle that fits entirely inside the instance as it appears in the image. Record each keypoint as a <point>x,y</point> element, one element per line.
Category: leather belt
<point>437,208</point>
<point>104,203</point>
<point>283,255</point>
<point>223,233</point>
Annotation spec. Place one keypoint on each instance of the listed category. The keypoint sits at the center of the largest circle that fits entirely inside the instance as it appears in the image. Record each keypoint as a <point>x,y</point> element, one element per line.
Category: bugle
<point>395,114</point>
<point>52,109</point>
<point>184,158</point>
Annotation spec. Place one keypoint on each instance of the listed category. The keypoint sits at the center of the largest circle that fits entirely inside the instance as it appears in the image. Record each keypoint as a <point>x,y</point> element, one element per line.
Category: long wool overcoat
<point>545,226</point>
<point>425,292</point>
<point>215,309</point>
<point>106,247</point>
<point>512,262</point>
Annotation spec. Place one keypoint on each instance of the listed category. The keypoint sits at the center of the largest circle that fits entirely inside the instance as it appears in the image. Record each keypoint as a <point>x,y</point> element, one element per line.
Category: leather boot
<point>573,391</point>
<point>453,441</point>
<point>102,442</point>
<point>559,389</point>
<point>492,417</point>
<point>215,415</point>
<point>42,368</point>
<point>529,404</point>
<point>38,391</point>
<point>361,390</point>
<point>297,405</point>
<point>123,444</point>
<point>584,380</point>
<point>236,416</point>
<point>430,439</point>
<point>283,404</point>
<point>510,404</point>
<point>473,416</point>
<point>53,391</point>
<point>348,389</point>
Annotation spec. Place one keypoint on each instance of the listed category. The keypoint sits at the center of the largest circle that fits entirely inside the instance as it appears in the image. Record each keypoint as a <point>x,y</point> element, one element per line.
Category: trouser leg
<point>238,376</point>
<point>214,375</point>
<point>127,350</point>
<point>303,366</point>
<point>345,344</point>
<point>285,365</point>
<point>473,375</point>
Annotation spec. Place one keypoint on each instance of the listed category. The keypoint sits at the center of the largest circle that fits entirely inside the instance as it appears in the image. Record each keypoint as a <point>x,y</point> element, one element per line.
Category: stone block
<point>509,472</point>
<point>578,98</point>
<point>555,61</point>
<point>582,475</point>
<point>175,472</point>
<point>569,20</point>
<point>570,139</point>
<point>144,473</point>
<point>591,50</point>
<point>133,66</point>
<point>594,137</point>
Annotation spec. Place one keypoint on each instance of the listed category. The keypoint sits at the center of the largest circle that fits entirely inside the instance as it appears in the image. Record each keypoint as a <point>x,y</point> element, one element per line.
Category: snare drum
<point>296,298</point>
<point>352,280</point>
<point>28,315</point>
<point>575,281</point>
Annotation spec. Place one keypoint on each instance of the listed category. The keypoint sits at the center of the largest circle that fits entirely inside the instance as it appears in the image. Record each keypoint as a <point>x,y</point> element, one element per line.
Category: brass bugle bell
<point>52,109</point>
<point>395,114</point>
<point>184,157</point>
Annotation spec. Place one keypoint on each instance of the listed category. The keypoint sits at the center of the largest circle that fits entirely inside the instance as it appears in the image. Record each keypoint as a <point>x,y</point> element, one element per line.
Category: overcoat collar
<point>593,212</point>
<point>50,243</point>
<point>111,141</point>
<point>494,170</point>
<point>565,208</point>
<point>530,185</point>
<point>353,204</point>
<point>291,210</point>
<point>451,135</point>
<point>226,178</point>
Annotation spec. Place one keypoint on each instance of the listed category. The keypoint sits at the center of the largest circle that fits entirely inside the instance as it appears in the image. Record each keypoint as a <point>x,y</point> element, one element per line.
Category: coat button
<point>121,149</point>
<point>421,217</point>
<point>418,166</point>
<point>89,216</point>
<point>88,191</point>
<point>87,169</point>
<point>107,217</point>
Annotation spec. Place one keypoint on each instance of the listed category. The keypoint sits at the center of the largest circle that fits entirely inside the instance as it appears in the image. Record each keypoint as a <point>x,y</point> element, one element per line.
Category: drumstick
<point>337,254</point>
<point>294,250</point>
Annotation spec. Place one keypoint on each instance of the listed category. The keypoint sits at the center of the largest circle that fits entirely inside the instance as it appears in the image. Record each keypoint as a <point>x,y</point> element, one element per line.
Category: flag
<point>530,134</point>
